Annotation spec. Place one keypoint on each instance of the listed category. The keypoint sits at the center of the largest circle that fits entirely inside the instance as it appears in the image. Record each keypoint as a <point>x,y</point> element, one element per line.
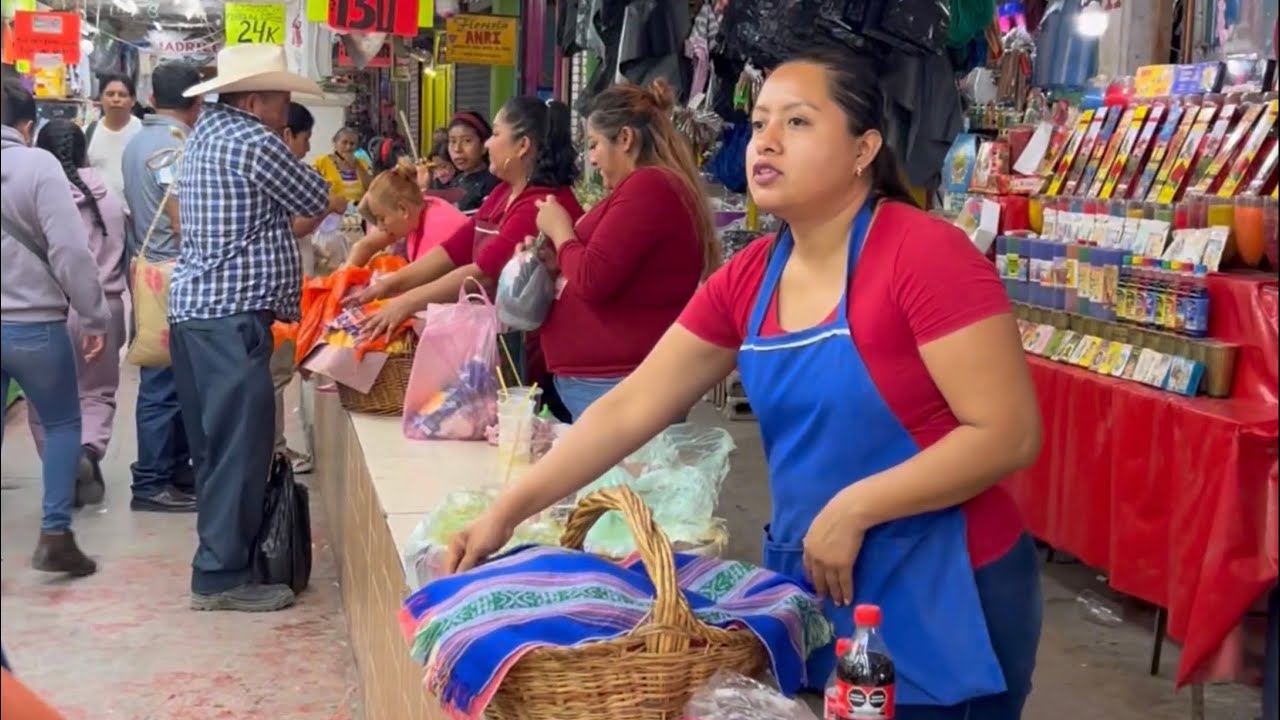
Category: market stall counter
<point>374,487</point>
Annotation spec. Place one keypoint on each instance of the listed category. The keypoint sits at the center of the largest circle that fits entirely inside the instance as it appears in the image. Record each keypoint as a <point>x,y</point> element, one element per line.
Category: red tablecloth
<point>1168,495</point>
<point>1243,310</point>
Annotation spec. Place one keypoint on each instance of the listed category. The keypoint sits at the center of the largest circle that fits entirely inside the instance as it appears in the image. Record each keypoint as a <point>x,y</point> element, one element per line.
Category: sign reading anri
<point>254,24</point>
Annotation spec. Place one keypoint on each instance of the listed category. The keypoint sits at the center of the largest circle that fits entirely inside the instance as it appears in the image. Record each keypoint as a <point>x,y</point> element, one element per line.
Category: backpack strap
<point>89,131</point>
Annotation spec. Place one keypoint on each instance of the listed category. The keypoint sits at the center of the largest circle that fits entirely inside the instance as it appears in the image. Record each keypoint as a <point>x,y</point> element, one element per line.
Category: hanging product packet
<point>525,289</point>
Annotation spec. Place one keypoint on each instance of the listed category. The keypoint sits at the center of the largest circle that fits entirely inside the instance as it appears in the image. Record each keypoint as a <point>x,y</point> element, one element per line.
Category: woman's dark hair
<point>300,119</point>
<point>474,121</point>
<point>853,79</point>
<point>105,80</point>
<point>65,141</point>
<point>546,125</point>
<point>439,150</point>
<point>647,111</point>
<point>19,104</point>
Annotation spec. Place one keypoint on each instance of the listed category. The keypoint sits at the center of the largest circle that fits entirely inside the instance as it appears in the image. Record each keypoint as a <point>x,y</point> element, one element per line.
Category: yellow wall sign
<point>481,40</point>
<point>254,23</point>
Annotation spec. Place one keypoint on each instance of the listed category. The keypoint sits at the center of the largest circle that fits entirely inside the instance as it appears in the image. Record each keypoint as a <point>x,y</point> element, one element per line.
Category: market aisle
<point>123,645</point>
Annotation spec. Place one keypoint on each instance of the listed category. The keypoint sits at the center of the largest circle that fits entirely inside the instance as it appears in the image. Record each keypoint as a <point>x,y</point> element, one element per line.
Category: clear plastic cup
<point>516,408</point>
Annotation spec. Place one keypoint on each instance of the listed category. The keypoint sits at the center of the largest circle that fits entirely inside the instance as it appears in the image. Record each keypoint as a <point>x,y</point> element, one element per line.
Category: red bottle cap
<point>867,615</point>
<point>843,646</point>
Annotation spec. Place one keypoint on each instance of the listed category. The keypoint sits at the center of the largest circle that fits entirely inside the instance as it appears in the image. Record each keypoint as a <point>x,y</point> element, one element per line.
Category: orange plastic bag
<point>283,332</point>
<point>322,302</point>
<point>18,702</point>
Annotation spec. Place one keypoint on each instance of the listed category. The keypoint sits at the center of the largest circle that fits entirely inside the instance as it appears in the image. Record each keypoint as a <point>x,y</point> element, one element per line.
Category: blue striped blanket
<point>470,629</point>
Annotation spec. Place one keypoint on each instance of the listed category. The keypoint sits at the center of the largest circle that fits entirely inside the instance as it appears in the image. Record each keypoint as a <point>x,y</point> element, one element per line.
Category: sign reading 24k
<point>254,24</point>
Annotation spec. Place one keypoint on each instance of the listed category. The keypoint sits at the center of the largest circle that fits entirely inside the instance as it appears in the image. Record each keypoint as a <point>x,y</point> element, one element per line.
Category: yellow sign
<point>481,40</point>
<point>254,23</point>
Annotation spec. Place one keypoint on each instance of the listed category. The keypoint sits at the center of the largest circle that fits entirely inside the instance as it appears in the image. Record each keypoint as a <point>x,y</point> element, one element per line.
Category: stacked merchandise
<point>1131,206</point>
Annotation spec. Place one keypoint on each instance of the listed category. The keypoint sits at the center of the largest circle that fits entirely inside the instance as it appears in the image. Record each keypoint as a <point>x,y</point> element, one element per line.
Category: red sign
<point>398,17</point>
<point>54,33</point>
<point>381,60</point>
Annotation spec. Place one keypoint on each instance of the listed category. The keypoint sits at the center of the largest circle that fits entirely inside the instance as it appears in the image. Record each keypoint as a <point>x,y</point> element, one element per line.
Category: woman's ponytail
<point>65,141</point>
<point>547,125</point>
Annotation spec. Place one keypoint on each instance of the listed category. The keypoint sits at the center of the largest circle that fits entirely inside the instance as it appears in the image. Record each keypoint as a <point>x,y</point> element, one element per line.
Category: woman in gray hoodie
<point>103,217</point>
<point>46,268</point>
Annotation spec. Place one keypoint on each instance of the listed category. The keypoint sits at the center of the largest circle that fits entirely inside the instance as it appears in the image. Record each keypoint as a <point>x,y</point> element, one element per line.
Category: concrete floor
<point>122,645</point>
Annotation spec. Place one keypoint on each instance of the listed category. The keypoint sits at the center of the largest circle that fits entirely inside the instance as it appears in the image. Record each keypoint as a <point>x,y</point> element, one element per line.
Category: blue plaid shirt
<point>238,188</point>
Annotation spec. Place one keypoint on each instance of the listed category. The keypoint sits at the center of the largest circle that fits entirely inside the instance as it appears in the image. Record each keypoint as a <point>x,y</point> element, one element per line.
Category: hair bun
<point>662,95</point>
<point>406,169</point>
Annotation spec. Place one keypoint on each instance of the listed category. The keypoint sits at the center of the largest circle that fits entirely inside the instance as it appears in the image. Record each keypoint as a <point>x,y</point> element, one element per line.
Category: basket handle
<point>670,608</point>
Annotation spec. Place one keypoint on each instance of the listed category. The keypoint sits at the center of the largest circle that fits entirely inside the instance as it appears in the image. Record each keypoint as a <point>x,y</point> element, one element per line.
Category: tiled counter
<point>374,486</point>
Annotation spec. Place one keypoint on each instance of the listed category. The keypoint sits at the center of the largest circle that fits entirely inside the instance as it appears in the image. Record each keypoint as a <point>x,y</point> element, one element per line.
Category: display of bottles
<point>864,677</point>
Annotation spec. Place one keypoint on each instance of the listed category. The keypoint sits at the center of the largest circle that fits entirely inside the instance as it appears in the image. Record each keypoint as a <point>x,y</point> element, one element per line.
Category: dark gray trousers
<point>223,374</point>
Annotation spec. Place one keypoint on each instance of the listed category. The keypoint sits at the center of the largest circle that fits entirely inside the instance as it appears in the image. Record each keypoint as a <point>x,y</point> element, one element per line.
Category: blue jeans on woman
<point>578,393</point>
<point>40,358</point>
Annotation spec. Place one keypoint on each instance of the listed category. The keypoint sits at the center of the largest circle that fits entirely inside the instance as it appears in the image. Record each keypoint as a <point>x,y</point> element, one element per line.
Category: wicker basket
<point>386,397</point>
<point>648,674</point>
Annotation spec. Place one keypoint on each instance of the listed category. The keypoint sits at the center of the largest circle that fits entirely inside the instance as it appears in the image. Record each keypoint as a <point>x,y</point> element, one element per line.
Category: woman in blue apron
<point>881,358</point>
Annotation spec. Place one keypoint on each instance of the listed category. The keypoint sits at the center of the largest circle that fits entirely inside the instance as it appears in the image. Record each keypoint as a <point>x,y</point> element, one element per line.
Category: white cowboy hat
<point>254,68</point>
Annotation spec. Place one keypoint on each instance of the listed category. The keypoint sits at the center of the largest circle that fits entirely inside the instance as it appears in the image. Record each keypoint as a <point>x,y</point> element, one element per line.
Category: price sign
<point>397,17</point>
<point>481,40</point>
<point>46,33</point>
<point>254,24</point>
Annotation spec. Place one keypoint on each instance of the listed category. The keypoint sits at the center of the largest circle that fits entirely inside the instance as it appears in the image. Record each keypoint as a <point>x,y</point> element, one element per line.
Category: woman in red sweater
<point>631,264</point>
<point>531,151</point>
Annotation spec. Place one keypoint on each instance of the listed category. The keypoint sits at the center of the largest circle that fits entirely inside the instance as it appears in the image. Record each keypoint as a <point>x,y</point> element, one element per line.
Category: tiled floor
<point>123,645</point>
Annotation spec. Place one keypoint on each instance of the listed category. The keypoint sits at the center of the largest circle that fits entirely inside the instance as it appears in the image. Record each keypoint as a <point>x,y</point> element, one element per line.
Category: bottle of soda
<point>832,702</point>
<point>864,674</point>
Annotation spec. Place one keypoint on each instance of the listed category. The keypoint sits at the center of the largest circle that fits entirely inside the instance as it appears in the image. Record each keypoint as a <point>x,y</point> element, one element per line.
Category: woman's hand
<point>554,221</point>
<point>831,548</point>
<point>476,542</point>
<point>338,204</point>
<point>424,175</point>
<point>375,291</point>
<point>387,319</point>
<point>546,255</point>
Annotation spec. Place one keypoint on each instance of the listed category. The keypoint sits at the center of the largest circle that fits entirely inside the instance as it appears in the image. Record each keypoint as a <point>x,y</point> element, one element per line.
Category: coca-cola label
<point>859,702</point>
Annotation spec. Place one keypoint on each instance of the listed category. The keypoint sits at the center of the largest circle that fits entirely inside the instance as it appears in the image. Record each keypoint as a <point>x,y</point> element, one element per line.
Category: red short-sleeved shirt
<point>509,226</point>
<point>918,279</point>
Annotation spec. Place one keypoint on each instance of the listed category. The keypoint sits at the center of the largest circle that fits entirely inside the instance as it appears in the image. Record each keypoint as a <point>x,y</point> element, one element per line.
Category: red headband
<point>474,122</point>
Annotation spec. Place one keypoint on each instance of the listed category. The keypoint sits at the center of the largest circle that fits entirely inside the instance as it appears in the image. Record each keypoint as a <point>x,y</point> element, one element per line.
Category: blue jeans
<point>39,357</point>
<point>162,439</point>
<point>1009,589</point>
<point>578,393</point>
<point>223,372</point>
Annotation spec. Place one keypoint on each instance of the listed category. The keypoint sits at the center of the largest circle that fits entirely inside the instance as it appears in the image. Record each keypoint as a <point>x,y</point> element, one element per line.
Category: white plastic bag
<point>730,696</point>
<point>525,292</point>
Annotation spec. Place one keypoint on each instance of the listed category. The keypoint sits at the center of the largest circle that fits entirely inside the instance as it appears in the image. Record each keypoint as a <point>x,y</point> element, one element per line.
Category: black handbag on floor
<point>282,554</point>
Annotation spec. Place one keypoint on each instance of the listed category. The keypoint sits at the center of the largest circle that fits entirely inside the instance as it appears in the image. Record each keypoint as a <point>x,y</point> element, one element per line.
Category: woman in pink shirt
<point>103,216</point>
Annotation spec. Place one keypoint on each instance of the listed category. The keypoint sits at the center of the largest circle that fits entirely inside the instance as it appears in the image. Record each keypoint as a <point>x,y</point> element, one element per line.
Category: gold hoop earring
<point>858,172</point>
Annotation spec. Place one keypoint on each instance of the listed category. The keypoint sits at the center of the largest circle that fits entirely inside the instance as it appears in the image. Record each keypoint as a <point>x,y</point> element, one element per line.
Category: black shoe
<point>58,553</point>
<point>184,479</point>
<point>168,500</point>
<point>90,487</point>
<point>246,598</point>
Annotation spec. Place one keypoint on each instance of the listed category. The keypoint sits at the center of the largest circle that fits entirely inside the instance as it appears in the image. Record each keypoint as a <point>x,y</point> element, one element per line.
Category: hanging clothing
<point>924,112</point>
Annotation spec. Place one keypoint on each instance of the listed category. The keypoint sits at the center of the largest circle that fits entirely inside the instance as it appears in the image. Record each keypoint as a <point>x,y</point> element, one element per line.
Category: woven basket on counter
<point>386,397</point>
<point>650,673</point>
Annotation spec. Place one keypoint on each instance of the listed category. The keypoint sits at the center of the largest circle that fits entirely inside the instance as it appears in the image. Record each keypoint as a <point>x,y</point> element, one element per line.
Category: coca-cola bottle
<point>832,701</point>
<point>864,672</point>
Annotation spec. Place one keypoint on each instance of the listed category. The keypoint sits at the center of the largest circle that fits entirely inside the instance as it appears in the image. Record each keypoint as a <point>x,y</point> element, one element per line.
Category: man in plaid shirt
<point>239,270</point>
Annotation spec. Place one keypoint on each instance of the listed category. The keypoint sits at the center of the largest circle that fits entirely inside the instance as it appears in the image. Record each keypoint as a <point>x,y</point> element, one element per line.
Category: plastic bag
<point>678,474</point>
<point>730,696</point>
<point>525,292</point>
<point>453,387</point>
<point>427,548</point>
<point>282,554</point>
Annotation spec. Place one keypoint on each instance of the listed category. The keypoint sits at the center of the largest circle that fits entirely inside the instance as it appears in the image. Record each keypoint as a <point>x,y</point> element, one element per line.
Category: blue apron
<point>825,426</point>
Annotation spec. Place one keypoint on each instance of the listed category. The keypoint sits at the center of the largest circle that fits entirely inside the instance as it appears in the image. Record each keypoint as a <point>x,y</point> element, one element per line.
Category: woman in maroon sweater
<point>627,268</point>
